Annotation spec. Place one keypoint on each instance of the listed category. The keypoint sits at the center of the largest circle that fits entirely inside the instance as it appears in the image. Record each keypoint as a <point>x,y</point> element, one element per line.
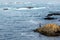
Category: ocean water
<point>17,22</point>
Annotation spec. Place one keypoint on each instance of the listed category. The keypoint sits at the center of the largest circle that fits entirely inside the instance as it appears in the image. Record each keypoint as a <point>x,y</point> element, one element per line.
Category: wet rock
<point>53,13</point>
<point>5,9</point>
<point>49,30</point>
<point>49,18</point>
<point>29,7</point>
<point>58,20</point>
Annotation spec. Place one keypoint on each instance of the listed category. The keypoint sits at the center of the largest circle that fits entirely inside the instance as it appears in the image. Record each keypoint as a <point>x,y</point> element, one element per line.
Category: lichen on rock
<point>49,30</point>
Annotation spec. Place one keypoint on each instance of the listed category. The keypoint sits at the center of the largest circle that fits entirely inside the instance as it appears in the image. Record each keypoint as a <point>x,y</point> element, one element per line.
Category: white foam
<point>31,8</point>
<point>39,8</point>
<point>22,9</point>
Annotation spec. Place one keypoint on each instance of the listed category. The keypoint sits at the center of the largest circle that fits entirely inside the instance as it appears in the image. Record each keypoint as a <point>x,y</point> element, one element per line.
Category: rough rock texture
<point>49,30</point>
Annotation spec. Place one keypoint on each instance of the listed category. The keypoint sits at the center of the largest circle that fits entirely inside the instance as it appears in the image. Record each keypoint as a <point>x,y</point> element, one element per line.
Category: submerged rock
<point>29,7</point>
<point>49,18</point>
<point>5,9</point>
<point>49,30</point>
<point>53,13</point>
<point>58,20</point>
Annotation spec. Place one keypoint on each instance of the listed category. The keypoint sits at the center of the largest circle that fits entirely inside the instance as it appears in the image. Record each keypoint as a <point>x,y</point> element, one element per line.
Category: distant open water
<point>17,24</point>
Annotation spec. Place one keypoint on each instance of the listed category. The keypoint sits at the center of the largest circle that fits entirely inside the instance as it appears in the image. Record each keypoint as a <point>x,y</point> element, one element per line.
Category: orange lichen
<point>49,30</point>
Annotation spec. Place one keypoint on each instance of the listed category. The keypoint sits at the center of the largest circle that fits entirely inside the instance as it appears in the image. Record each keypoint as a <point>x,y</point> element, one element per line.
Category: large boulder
<point>49,30</point>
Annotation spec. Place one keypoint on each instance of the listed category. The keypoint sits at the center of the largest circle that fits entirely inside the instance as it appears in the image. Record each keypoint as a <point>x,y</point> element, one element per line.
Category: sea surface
<point>17,22</point>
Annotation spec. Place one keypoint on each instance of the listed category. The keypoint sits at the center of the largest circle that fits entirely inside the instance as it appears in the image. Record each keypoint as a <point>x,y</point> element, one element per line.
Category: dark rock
<point>53,13</point>
<point>5,9</point>
<point>59,20</point>
<point>29,7</point>
<point>49,30</point>
<point>49,18</point>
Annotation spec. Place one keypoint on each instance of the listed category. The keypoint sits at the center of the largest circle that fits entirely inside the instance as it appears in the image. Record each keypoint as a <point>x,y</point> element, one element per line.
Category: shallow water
<point>18,24</point>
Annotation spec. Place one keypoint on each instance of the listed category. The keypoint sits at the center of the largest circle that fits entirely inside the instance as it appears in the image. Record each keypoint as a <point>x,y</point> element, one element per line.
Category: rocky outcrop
<point>49,30</point>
